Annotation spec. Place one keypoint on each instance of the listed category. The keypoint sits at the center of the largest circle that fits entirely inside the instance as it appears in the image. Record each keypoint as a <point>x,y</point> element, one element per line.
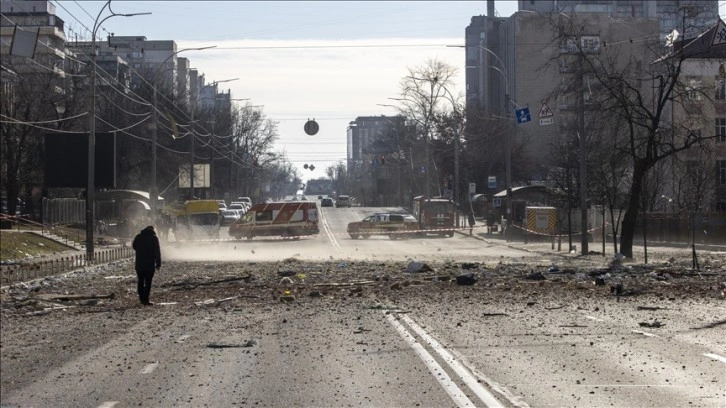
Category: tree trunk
<point>631,214</point>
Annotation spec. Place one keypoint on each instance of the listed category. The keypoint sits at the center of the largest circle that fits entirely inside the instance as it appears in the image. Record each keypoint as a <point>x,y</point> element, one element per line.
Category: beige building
<point>538,66</point>
<point>703,111</point>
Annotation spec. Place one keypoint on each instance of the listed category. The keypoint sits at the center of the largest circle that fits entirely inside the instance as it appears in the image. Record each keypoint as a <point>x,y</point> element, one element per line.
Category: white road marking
<point>715,357</point>
<point>329,232</point>
<point>594,318</point>
<point>149,368</point>
<point>484,395</point>
<point>644,333</point>
<point>458,396</point>
<point>183,337</point>
<point>109,404</point>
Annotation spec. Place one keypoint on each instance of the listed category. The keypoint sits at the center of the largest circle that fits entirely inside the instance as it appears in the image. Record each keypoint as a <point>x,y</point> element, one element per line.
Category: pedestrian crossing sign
<point>522,115</point>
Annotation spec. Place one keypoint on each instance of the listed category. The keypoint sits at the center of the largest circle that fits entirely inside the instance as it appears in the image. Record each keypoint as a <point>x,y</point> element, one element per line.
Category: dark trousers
<point>144,288</point>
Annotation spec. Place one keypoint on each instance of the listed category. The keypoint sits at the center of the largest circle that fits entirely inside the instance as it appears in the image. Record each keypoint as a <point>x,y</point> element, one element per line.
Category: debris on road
<point>654,324</point>
<point>416,267</point>
<point>248,343</point>
<point>466,279</point>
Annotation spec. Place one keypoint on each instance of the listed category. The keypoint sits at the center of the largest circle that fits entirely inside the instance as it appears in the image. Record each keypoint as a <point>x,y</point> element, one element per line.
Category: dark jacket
<point>148,253</point>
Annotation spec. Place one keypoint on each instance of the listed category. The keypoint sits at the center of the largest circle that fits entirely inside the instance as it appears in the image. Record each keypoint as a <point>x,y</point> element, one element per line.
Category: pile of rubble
<point>226,284</point>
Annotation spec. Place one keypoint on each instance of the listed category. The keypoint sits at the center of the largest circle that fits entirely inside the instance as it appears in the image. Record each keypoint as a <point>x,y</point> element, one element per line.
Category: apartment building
<point>517,62</point>
<point>39,16</point>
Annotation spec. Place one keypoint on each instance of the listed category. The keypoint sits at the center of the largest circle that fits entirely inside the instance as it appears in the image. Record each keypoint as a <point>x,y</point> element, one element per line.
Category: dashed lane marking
<point>715,357</point>
<point>182,338</point>
<point>149,368</point>
<point>594,318</point>
<point>644,333</point>
<point>109,404</point>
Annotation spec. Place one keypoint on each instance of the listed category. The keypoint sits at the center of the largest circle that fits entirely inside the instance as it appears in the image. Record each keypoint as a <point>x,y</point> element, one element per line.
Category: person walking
<point>472,222</point>
<point>148,260</point>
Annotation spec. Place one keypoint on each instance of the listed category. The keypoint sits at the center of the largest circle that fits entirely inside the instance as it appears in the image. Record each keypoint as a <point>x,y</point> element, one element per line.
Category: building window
<point>721,207</point>
<point>721,129</point>
<point>721,171</point>
<point>693,89</point>
<point>590,43</point>
<point>720,89</point>
<point>568,46</point>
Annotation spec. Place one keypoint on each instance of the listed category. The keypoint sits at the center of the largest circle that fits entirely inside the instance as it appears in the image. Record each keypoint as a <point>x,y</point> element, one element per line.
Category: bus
<point>435,215</point>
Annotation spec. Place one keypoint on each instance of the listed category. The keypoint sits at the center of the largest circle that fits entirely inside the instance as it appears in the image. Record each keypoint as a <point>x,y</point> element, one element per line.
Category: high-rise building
<point>516,62</point>
<point>28,16</point>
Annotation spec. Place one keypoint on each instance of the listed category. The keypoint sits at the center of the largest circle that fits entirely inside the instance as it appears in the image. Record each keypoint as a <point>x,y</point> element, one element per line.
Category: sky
<point>330,61</point>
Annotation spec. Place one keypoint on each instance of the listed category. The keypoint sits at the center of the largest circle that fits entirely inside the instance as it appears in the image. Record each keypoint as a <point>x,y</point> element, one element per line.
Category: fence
<point>38,269</point>
<point>64,211</point>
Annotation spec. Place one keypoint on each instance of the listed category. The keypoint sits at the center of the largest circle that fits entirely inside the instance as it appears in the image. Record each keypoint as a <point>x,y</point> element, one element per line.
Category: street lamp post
<point>427,125</point>
<point>507,114</point>
<point>194,97</point>
<point>91,185</point>
<point>153,193</point>
<point>211,139</point>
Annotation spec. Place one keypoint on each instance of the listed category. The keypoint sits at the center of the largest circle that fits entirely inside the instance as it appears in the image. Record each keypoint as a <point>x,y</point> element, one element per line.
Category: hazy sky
<point>327,60</point>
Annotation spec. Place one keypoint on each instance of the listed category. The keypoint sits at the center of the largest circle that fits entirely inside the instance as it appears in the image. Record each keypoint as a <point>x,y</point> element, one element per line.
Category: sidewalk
<point>562,247</point>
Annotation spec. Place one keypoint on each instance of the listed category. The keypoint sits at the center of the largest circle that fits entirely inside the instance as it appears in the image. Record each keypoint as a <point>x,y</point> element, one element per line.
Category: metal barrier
<point>32,270</point>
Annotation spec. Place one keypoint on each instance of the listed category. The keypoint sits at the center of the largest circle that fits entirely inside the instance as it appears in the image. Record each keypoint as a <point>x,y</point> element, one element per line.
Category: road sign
<point>546,121</point>
<point>311,127</point>
<point>492,182</point>
<point>545,112</point>
<point>422,169</point>
<point>522,115</point>
<point>719,36</point>
<point>497,202</point>
<point>472,188</point>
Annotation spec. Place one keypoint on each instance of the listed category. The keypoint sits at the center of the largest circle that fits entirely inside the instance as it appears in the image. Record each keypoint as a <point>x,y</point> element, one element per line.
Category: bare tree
<point>34,101</point>
<point>424,93</point>
<point>639,88</point>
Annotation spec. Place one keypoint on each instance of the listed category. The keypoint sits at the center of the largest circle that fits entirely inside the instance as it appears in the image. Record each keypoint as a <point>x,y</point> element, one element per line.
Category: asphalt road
<point>362,331</point>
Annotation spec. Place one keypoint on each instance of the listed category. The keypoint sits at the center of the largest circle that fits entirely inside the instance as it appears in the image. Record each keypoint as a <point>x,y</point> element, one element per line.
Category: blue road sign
<point>522,115</point>
<point>422,169</point>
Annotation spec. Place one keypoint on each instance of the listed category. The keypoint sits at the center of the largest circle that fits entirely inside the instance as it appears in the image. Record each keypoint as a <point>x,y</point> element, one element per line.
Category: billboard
<point>201,176</point>
<point>66,160</point>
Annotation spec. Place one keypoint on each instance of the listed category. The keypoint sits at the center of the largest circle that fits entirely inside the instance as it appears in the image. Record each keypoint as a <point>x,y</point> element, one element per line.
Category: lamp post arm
<point>91,180</point>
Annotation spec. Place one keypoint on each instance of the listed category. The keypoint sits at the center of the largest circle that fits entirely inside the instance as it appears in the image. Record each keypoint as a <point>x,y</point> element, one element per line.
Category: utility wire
<point>13,120</point>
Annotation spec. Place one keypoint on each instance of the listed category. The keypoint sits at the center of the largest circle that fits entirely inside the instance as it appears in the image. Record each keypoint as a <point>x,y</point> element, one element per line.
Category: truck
<point>285,219</point>
<point>197,219</point>
<point>435,215</point>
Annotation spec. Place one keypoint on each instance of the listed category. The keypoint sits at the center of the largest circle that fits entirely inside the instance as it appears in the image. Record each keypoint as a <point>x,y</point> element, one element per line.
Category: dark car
<point>326,202</point>
<point>393,225</point>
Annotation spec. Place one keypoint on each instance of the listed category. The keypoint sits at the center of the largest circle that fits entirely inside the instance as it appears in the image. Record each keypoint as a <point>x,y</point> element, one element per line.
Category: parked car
<point>238,206</point>
<point>326,202</point>
<point>246,200</point>
<point>342,201</point>
<point>228,217</point>
<point>393,225</point>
